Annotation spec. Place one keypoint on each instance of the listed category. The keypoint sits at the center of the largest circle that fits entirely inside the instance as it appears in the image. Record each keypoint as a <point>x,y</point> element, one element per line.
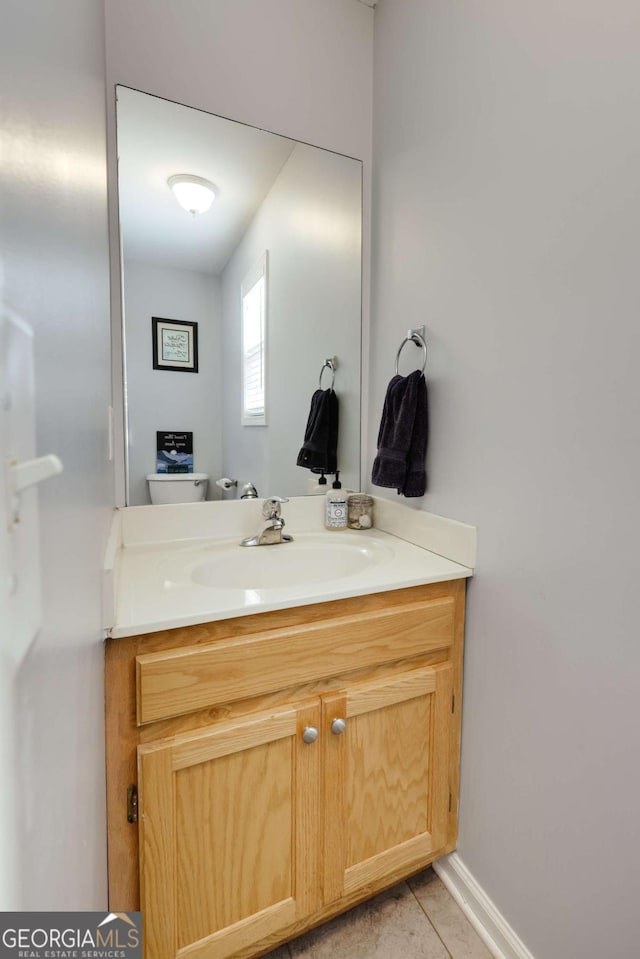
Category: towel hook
<point>414,336</point>
<point>331,363</point>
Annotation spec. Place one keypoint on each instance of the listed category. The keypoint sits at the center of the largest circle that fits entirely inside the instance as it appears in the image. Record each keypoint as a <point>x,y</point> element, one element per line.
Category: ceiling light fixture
<point>193,193</point>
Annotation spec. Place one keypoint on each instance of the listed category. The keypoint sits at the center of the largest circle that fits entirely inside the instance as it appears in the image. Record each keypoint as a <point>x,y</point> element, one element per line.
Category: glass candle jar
<point>360,511</point>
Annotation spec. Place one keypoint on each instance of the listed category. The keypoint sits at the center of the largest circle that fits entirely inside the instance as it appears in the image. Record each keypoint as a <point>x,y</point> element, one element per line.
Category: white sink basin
<point>310,558</point>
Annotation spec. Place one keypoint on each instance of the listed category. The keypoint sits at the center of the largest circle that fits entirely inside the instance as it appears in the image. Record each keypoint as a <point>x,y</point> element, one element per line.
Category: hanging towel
<point>403,435</point>
<point>319,452</point>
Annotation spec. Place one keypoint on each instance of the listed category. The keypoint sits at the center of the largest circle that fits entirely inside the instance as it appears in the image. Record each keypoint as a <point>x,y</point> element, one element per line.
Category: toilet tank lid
<point>181,477</point>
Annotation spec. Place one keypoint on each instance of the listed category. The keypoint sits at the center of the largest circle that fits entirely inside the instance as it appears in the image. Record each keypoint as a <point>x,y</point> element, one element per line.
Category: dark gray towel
<point>319,452</point>
<point>403,435</point>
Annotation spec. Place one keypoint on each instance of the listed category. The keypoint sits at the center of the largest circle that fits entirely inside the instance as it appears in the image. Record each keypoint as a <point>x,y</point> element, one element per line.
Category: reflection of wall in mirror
<point>310,224</point>
<point>163,399</point>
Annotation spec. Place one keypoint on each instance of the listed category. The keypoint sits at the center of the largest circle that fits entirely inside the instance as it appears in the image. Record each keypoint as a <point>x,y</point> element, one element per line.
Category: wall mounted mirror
<point>280,246</point>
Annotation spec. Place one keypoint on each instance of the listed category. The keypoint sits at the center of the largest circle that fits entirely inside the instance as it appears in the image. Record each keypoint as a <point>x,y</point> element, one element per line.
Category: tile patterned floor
<point>416,919</point>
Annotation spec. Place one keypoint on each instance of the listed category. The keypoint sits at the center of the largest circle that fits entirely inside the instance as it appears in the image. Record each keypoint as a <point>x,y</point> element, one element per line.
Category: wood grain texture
<point>233,737</point>
<point>123,735</point>
<point>230,833</point>
<point>331,910</point>
<point>384,778</point>
<point>386,692</point>
<point>405,858</point>
<point>458,591</point>
<point>307,840</point>
<point>121,762</point>
<point>232,942</point>
<point>205,633</point>
<point>442,720</point>
<point>224,712</point>
<point>334,821</point>
<point>387,789</point>
<point>158,839</point>
<point>235,847</point>
<point>316,892</point>
<point>180,681</point>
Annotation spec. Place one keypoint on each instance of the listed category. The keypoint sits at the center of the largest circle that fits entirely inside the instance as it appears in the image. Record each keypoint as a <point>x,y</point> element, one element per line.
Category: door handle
<point>30,472</point>
<point>21,476</point>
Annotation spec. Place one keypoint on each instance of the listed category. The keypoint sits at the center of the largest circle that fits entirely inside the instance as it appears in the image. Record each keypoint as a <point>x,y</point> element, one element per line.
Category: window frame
<point>259,271</point>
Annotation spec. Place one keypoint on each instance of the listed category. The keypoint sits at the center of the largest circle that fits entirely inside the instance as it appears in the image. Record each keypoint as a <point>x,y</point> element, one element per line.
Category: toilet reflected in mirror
<point>167,488</point>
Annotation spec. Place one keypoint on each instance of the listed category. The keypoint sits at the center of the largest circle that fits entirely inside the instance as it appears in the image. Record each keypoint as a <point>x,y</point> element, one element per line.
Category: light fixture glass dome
<point>193,193</point>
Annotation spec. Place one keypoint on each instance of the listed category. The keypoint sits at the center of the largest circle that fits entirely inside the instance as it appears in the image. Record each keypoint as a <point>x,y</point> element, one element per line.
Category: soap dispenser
<point>320,487</point>
<point>336,506</point>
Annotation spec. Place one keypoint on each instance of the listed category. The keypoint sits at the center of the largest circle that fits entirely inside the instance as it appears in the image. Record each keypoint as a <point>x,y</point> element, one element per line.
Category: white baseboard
<point>494,930</point>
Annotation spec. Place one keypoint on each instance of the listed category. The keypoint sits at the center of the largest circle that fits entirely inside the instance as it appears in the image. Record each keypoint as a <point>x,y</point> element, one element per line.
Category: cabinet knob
<point>310,734</point>
<point>338,726</point>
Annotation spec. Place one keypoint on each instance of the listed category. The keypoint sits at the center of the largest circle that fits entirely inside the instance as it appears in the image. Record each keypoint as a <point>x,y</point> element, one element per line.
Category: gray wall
<point>53,237</point>
<point>507,215</point>
<point>310,224</point>
<point>167,399</point>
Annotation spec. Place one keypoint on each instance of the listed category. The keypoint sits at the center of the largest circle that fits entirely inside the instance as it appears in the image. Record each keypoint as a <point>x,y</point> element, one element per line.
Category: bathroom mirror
<point>278,252</point>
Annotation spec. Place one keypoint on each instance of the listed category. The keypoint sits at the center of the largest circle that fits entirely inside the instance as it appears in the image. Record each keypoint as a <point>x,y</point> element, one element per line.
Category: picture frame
<point>174,451</point>
<point>175,345</point>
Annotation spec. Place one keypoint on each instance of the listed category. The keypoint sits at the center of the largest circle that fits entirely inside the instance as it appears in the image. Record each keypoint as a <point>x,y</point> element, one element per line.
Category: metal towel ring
<point>416,337</point>
<point>331,363</point>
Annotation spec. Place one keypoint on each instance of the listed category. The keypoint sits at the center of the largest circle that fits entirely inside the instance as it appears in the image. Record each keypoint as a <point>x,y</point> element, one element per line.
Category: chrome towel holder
<point>417,337</point>
<point>331,363</point>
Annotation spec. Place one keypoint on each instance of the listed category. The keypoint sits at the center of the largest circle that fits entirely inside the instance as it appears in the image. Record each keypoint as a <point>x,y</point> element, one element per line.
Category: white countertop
<point>151,582</point>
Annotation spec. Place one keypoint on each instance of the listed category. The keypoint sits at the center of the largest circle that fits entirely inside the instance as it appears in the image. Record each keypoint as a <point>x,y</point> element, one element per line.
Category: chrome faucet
<point>272,532</point>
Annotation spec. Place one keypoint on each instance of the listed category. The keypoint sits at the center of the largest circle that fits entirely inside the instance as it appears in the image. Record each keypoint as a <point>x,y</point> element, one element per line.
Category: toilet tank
<point>177,487</point>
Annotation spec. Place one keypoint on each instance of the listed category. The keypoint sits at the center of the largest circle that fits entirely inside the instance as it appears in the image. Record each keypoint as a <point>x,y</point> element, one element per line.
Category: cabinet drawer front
<point>181,681</point>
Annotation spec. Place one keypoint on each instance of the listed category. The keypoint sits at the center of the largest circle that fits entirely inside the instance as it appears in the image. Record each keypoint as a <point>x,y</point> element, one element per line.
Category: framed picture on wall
<point>175,345</point>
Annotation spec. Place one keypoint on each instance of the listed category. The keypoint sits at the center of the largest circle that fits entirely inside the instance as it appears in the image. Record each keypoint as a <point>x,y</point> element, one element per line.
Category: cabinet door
<point>386,787</point>
<point>228,833</point>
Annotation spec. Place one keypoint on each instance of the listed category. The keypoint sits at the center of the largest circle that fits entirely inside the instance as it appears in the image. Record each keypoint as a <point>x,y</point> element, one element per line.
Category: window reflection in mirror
<point>299,203</point>
<point>254,344</point>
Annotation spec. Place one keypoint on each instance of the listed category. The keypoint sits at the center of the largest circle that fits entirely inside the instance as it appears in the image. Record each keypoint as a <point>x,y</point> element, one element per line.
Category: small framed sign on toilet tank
<point>174,452</point>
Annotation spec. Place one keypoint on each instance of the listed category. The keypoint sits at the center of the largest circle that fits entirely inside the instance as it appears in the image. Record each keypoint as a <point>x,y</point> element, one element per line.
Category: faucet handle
<point>271,506</point>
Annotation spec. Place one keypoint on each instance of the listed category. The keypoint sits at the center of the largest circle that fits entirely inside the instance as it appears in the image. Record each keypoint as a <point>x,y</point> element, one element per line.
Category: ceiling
<point>157,138</point>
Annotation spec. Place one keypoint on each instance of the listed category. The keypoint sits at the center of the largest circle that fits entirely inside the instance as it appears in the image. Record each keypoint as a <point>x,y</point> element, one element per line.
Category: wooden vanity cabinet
<point>317,764</point>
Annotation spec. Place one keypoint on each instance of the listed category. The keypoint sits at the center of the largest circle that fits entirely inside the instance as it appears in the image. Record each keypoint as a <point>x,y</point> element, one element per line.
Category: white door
<point>8,859</point>
<point>20,603</point>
